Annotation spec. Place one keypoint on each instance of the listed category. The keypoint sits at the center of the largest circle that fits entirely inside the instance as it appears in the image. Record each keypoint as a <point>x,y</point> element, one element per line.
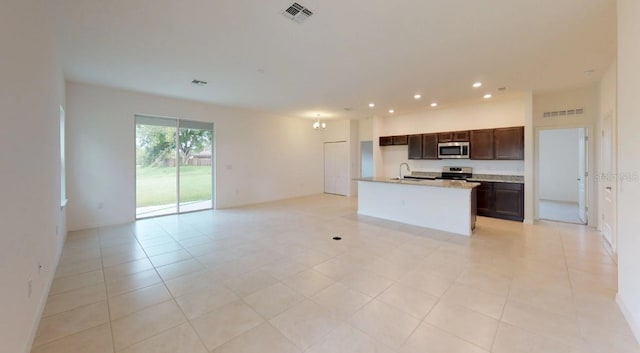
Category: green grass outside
<point>157,186</point>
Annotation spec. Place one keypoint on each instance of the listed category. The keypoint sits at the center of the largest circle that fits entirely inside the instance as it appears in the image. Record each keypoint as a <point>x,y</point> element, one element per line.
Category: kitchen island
<point>447,205</point>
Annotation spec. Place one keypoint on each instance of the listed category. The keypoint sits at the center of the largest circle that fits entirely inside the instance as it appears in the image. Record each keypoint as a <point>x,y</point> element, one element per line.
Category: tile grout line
<point>113,341</point>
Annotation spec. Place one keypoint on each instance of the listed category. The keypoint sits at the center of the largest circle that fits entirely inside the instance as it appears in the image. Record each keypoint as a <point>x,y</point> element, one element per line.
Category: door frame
<point>213,166</point>
<point>602,185</point>
<point>589,160</point>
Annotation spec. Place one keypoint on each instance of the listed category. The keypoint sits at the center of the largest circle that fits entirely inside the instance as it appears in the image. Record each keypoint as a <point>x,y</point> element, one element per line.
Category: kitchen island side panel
<point>443,208</point>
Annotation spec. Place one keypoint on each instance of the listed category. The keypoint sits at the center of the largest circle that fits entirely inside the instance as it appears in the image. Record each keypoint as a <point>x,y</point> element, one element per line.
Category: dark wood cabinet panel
<point>501,200</point>
<point>501,143</point>
<point>460,136</point>
<point>445,137</point>
<point>393,140</point>
<point>509,200</point>
<point>509,143</point>
<point>453,136</point>
<point>481,144</point>
<point>400,140</point>
<point>430,146</point>
<point>415,146</point>
<point>485,191</point>
<point>386,141</point>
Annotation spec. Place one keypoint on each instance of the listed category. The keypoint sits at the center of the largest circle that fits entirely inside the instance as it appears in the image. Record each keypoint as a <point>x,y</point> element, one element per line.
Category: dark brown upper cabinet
<point>400,140</point>
<point>481,144</point>
<point>386,141</point>
<point>415,146</point>
<point>430,146</point>
<point>445,137</point>
<point>453,136</point>
<point>509,143</point>
<point>393,140</point>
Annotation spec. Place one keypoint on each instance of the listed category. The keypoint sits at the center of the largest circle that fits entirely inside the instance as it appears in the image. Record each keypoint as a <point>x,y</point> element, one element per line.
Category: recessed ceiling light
<point>477,84</point>
<point>391,111</point>
<point>199,82</point>
<point>487,96</point>
<point>371,105</point>
<point>417,96</point>
<point>434,104</point>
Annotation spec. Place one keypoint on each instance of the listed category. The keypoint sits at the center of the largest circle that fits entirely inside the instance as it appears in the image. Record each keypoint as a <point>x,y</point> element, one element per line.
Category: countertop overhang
<point>457,184</point>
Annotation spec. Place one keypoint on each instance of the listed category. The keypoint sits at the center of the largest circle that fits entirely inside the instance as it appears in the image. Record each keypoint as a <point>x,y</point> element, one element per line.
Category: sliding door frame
<point>177,164</point>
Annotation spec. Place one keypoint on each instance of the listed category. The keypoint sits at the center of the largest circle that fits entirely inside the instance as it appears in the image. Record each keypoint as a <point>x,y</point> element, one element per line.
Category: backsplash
<point>392,156</point>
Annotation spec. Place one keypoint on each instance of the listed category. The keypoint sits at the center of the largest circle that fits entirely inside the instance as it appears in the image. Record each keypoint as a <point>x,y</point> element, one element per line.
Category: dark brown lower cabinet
<point>485,191</point>
<point>501,200</point>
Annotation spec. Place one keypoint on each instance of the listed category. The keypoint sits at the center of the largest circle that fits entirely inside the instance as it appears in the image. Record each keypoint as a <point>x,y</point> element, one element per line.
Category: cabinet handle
<point>608,187</point>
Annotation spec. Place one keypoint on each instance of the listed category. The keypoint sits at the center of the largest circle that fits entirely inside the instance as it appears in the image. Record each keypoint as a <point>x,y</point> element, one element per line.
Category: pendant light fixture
<point>319,125</point>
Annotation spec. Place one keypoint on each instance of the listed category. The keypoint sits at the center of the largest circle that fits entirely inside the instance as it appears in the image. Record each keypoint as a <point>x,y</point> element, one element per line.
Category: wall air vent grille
<point>560,113</point>
<point>297,13</point>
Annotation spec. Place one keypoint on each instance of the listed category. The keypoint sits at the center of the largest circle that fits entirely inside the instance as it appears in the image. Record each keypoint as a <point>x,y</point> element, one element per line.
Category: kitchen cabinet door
<point>445,137</point>
<point>453,136</point>
<point>399,140</point>
<point>509,143</point>
<point>481,144</point>
<point>461,136</point>
<point>485,199</point>
<point>430,146</point>
<point>415,146</point>
<point>386,141</point>
<point>509,201</point>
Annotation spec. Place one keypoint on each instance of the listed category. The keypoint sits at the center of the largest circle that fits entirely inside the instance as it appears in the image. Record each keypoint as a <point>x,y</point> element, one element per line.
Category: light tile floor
<point>559,211</point>
<point>269,278</point>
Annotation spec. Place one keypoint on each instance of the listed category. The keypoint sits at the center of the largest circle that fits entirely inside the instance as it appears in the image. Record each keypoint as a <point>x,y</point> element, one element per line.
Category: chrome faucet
<point>400,170</point>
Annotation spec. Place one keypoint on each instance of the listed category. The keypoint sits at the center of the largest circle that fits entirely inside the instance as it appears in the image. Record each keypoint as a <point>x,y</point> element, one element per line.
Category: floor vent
<point>297,13</point>
<point>569,112</point>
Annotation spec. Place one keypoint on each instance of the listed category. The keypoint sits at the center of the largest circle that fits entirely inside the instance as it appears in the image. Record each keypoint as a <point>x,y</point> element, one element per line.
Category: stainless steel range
<point>456,173</point>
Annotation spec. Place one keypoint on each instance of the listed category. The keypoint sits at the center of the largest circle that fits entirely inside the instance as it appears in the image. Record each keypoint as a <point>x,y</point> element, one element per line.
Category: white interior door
<point>582,175</point>
<point>336,168</point>
<point>608,181</point>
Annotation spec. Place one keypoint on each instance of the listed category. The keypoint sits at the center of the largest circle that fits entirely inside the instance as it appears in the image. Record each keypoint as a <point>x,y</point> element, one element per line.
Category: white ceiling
<point>346,55</point>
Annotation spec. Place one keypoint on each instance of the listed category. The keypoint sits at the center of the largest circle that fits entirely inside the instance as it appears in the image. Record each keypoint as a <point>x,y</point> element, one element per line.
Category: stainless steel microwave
<point>453,150</point>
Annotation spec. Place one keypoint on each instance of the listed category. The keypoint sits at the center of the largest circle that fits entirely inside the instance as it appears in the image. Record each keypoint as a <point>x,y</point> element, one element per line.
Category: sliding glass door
<point>173,166</point>
<point>195,165</point>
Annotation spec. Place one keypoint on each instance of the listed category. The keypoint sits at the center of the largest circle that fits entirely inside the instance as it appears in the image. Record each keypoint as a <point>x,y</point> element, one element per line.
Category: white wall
<point>365,129</point>
<point>558,167</point>
<point>487,115</point>
<point>31,91</point>
<point>587,98</point>
<point>629,161</point>
<point>258,158</point>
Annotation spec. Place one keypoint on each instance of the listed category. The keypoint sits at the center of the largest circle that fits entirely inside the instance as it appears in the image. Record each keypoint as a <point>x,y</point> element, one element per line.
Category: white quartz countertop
<point>425,182</point>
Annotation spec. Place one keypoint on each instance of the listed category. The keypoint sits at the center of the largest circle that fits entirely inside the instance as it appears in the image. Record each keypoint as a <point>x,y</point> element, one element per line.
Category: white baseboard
<point>633,323</point>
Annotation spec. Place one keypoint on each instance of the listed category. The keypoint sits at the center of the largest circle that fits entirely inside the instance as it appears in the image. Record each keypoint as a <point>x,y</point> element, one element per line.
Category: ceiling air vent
<point>297,13</point>
<point>569,112</point>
